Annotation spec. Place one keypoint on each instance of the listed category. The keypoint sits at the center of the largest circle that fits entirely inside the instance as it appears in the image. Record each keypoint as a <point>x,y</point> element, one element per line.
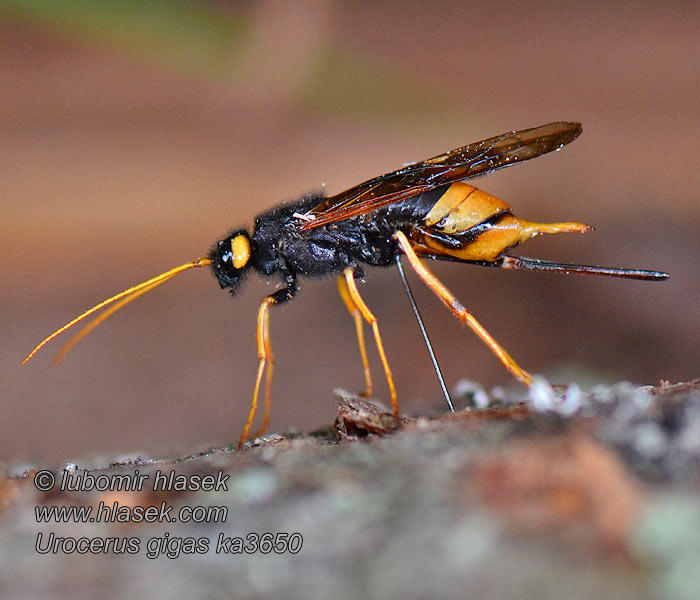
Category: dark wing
<point>463,163</point>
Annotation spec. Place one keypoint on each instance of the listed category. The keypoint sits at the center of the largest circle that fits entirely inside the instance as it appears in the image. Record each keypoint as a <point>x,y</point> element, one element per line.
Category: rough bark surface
<point>564,494</point>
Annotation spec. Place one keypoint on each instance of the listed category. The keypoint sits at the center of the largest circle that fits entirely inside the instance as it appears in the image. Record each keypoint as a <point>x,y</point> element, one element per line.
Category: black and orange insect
<point>422,211</point>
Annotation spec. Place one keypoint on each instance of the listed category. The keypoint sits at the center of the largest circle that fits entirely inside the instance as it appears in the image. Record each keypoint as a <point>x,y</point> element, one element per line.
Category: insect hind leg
<point>460,311</point>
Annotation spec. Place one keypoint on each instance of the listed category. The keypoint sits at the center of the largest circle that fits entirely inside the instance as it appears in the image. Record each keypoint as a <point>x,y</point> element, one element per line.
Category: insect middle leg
<point>460,311</point>
<point>349,276</point>
<point>357,316</point>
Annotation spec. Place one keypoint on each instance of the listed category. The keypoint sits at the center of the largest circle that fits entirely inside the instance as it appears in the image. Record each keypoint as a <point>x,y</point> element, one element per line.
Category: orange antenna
<point>129,294</point>
<point>103,317</point>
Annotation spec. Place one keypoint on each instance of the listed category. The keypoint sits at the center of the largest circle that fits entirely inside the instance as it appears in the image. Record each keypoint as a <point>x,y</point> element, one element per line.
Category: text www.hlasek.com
<point>116,513</point>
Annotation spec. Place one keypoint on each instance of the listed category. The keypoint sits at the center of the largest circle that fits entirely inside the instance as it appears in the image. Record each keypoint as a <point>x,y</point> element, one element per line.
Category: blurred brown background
<point>131,138</point>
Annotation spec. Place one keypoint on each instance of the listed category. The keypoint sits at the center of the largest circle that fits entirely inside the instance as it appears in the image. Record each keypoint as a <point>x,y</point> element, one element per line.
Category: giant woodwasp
<point>424,210</point>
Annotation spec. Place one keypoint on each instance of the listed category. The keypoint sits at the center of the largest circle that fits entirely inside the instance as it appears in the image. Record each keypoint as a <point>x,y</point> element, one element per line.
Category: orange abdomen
<point>470,224</point>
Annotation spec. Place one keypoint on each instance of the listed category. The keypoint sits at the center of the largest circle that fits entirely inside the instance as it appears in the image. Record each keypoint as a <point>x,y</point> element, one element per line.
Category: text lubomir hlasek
<point>84,481</point>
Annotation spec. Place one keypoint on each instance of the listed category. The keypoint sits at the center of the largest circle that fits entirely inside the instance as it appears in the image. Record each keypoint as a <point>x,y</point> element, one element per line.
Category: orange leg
<point>372,320</point>
<point>459,311</point>
<point>268,377</point>
<point>357,316</point>
<point>265,356</point>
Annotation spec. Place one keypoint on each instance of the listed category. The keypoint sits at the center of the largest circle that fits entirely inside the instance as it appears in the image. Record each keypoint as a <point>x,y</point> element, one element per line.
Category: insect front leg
<point>460,311</point>
<point>266,359</point>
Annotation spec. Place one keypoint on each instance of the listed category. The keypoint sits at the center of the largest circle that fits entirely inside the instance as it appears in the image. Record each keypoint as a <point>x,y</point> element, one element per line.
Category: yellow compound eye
<point>240,248</point>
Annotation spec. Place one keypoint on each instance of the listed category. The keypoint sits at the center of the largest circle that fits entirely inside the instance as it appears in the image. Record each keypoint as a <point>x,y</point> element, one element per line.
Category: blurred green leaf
<point>205,41</point>
<point>182,34</point>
